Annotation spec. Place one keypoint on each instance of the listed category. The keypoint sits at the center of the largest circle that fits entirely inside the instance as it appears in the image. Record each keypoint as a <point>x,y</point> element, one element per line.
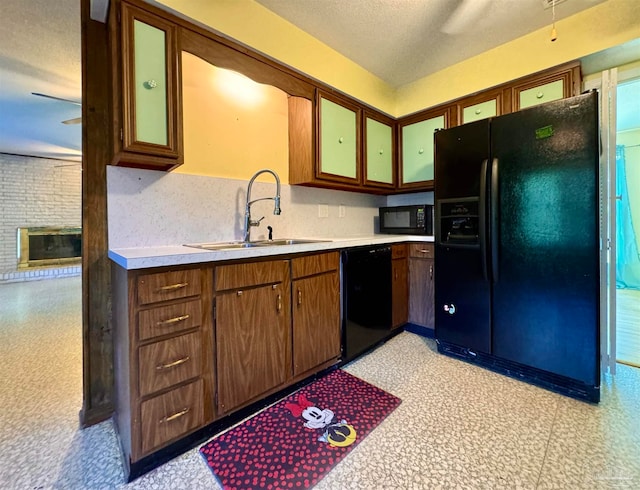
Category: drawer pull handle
<point>431,272</point>
<point>172,287</point>
<point>160,367</point>
<point>279,303</point>
<point>299,296</point>
<point>424,251</point>
<point>175,416</point>
<point>172,320</point>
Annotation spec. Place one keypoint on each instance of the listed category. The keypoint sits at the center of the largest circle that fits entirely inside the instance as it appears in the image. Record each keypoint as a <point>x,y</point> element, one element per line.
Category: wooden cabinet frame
<point>367,114</point>
<point>318,138</point>
<point>128,150</point>
<point>450,114</point>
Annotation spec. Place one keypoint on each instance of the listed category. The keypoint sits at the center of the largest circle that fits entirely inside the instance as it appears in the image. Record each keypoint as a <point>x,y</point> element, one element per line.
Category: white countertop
<point>147,257</point>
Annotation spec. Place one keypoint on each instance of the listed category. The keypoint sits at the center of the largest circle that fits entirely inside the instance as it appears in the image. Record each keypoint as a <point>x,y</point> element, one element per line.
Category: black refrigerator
<point>517,244</point>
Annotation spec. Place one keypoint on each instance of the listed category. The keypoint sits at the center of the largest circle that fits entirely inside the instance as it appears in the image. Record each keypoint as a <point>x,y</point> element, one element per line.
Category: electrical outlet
<point>342,211</point>
<point>323,210</point>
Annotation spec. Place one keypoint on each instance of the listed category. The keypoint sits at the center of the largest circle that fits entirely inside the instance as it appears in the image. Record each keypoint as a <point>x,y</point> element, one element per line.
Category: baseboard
<point>420,330</point>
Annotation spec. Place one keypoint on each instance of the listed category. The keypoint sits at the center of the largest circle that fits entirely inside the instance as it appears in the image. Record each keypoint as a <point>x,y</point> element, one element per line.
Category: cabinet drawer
<point>314,264</point>
<point>250,274</point>
<point>164,320</point>
<point>421,250</point>
<point>168,285</point>
<point>398,251</point>
<point>166,363</point>
<point>171,415</point>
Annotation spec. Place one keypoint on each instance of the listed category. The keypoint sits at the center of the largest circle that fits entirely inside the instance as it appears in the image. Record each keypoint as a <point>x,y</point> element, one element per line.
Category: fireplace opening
<point>48,246</point>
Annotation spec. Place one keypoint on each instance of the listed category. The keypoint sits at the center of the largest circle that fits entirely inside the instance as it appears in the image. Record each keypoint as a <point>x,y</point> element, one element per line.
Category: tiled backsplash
<point>150,208</point>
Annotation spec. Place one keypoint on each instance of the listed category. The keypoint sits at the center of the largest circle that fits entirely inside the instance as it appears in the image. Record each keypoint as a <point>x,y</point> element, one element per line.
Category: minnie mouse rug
<point>295,442</point>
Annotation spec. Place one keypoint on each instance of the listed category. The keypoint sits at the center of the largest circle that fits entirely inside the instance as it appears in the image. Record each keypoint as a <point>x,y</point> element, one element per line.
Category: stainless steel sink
<point>259,243</point>
<point>286,241</point>
<point>220,245</point>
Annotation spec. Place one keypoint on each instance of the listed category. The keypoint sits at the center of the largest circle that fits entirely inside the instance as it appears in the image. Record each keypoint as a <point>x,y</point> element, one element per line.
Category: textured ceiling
<point>398,40</point>
<point>40,52</point>
<point>403,40</point>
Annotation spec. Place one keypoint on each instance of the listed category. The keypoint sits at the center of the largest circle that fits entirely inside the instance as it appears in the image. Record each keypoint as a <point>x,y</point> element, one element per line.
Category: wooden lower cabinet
<point>253,343</point>
<point>421,297</point>
<point>315,311</point>
<point>253,331</point>
<point>399,285</point>
<point>163,357</point>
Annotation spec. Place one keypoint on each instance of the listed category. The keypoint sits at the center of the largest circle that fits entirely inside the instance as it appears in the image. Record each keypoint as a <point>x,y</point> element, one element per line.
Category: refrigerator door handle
<point>482,218</point>
<point>494,220</point>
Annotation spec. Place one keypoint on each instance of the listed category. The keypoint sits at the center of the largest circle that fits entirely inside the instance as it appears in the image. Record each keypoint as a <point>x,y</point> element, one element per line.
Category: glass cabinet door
<point>339,158</point>
<point>417,150</point>
<point>151,103</point>
<point>541,94</point>
<point>379,161</point>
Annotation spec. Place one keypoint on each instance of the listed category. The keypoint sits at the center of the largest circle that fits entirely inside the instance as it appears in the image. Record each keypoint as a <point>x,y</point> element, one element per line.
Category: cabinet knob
<point>340,139</point>
<point>478,111</point>
<point>539,95</point>
<point>150,84</point>
<point>381,151</point>
<point>420,151</point>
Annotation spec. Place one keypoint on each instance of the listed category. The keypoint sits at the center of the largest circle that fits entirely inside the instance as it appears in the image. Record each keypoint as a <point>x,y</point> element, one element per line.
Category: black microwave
<point>414,219</point>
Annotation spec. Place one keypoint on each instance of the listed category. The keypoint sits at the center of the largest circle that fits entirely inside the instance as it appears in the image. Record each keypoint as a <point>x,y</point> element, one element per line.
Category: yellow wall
<point>254,25</point>
<point>233,126</point>
<point>603,26</point>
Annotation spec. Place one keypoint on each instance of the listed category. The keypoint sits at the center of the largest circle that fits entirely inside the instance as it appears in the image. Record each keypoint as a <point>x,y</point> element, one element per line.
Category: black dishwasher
<point>366,285</point>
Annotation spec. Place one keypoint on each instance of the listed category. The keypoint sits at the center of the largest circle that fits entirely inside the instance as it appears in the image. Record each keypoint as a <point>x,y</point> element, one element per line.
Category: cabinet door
<point>416,168</point>
<point>479,111</point>
<point>400,292</point>
<point>421,299</point>
<point>150,97</point>
<point>379,153</point>
<point>316,321</point>
<point>339,141</point>
<point>253,343</point>
<point>541,94</point>
<point>556,83</point>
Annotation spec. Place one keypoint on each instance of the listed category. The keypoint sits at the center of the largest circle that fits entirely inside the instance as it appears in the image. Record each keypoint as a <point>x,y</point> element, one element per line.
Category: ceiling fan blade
<point>56,98</point>
<point>465,15</point>
<point>75,120</point>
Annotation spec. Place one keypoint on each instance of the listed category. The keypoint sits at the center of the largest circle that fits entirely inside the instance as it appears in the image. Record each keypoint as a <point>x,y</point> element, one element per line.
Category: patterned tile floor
<point>459,426</point>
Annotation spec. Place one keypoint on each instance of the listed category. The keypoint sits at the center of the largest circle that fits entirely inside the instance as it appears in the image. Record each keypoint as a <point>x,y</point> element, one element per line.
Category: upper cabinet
<point>330,145</point>
<point>416,146</point>
<point>558,83</point>
<point>379,151</point>
<point>481,106</point>
<point>338,140</point>
<point>147,99</point>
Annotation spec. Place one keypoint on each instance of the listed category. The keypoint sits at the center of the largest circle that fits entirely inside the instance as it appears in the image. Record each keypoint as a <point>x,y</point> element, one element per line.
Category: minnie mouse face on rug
<point>336,433</point>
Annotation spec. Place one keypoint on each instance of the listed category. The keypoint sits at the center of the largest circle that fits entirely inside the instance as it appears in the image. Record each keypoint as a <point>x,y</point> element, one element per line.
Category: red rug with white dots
<point>294,443</point>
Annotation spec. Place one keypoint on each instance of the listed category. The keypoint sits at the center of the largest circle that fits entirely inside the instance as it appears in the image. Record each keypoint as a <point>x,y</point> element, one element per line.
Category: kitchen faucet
<point>248,222</point>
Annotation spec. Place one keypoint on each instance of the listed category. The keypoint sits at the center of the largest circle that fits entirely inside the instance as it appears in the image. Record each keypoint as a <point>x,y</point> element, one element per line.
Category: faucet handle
<point>255,222</point>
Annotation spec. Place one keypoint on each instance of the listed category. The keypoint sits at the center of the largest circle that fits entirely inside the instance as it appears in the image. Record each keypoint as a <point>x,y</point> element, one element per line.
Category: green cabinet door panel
<point>337,140</point>
<point>150,84</point>
<point>379,152</point>
<point>541,94</point>
<point>479,111</point>
<point>417,149</point>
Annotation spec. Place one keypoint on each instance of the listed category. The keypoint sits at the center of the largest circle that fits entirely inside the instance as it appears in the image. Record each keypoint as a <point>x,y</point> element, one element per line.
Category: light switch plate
<point>342,211</point>
<point>323,210</point>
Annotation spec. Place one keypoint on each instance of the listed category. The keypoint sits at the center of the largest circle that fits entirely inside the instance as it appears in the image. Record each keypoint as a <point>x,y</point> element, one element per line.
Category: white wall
<point>36,192</point>
<point>150,208</point>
